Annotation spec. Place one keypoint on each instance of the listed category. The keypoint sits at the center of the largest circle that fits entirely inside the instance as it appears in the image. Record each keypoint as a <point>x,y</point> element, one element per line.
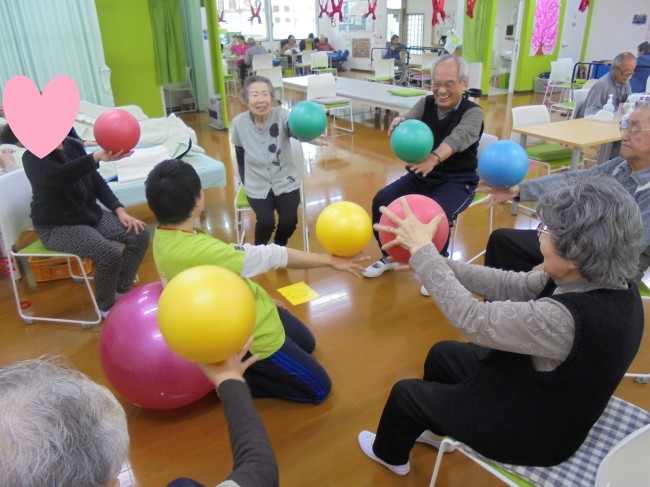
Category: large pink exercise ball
<point>117,130</point>
<point>425,209</point>
<point>503,164</point>
<point>136,360</point>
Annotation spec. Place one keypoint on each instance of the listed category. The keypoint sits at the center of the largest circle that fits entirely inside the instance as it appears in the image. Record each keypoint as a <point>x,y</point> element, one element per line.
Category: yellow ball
<point>206,313</point>
<point>344,228</point>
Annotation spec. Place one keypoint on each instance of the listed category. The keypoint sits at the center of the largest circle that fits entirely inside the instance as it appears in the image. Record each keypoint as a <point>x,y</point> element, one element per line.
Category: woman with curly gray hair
<point>547,348</point>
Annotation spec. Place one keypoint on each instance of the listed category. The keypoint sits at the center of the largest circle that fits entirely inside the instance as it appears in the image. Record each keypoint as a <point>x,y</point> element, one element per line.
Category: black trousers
<point>287,207</point>
<point>513,250</point>
<point>414,405</point>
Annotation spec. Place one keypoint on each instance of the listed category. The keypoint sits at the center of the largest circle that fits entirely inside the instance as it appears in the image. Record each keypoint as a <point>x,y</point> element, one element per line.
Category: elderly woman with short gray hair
<point>548,348</point>
<point>261,137</point>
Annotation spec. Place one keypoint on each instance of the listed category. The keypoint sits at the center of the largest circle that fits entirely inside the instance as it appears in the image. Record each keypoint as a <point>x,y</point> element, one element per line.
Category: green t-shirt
<point>176,250</point>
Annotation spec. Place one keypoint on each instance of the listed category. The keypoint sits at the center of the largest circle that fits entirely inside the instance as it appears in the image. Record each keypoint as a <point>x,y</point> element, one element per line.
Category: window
<point>300,20</point>
<point>237,14</point>
<point>288,17</point>
<point>415,32</point>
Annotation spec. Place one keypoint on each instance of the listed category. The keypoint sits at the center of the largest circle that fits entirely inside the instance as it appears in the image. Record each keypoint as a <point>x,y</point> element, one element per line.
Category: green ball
<point>307,120</point>
<point>412,141</point>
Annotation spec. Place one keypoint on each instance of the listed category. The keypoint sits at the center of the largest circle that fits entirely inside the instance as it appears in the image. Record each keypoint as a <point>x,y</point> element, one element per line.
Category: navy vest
<point>465,161</point>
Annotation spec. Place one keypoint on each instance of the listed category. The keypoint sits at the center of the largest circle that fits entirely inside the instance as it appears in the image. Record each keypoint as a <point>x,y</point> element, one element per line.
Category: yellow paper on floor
<point>298,293</point>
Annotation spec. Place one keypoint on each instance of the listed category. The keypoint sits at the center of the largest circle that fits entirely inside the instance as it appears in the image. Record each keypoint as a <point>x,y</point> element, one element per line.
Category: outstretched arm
<point>298,259</point>
<point>254,461</point>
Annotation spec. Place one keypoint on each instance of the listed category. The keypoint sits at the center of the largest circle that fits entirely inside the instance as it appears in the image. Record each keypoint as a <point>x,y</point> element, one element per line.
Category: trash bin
<point>215,113</point>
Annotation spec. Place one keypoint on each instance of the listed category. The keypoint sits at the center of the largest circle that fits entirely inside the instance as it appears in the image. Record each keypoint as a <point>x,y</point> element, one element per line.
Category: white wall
<point>342,40</point>
<point>612,31</point>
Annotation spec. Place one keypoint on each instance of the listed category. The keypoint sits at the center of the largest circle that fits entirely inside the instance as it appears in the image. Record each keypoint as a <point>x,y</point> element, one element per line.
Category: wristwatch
<point>438,156</point>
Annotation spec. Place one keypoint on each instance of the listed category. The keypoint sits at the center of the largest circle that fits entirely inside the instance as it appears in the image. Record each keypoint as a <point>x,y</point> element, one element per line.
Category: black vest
<point>515,414</point>
<point>465,161</point>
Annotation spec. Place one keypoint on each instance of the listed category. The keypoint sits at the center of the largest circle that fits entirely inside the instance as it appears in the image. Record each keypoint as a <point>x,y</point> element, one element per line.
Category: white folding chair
<point>306,62</point>
<point>320,63</point>
<point>322,89</point>
<point>555,156</point>
<point>560,78</point>
<point>274,74</point>
<point>384,71</point>
<point>15,199</point>
<point>486,140</point>
<point>613,454</point>
<point>242,205</point>
<point>579,97</point>
<point>262,61</point>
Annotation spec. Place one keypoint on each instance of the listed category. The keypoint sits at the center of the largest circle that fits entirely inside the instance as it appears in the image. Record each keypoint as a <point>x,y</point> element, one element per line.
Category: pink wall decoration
<point>547,20</point>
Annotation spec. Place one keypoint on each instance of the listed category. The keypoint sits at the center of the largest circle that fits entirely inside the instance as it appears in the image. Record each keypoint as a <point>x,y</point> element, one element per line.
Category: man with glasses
<point>518,250</point>
<point>448,174</point>
<point>616,82</point>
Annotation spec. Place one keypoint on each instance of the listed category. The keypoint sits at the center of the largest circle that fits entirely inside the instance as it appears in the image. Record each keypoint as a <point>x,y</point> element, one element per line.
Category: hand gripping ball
<point>307,120</point>
<point>412,141</point>
<point>206,313</point>
<point>343,228</point>
<point>117,130</point>
<point>503,164</point>
<point>425,209</point>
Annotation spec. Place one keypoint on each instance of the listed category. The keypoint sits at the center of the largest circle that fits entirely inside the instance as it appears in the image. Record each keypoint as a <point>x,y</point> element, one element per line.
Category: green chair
<point>555,156</point>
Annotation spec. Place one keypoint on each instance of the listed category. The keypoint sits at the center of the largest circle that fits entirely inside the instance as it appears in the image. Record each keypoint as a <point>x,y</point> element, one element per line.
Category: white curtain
<point>42,39</point>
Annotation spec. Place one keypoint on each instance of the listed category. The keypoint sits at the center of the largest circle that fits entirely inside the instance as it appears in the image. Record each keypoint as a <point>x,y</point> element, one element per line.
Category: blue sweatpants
<point>291,372</point>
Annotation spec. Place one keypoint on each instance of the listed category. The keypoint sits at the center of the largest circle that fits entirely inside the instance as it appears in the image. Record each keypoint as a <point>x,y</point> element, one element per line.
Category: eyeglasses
<point>626,75</point>
<point>542,228</point>
<point>449,85</point>
<point>631,131</point>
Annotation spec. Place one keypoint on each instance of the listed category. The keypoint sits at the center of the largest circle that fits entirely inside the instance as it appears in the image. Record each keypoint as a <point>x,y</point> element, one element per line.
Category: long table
<point>375,94</point>
<point>577,134</point>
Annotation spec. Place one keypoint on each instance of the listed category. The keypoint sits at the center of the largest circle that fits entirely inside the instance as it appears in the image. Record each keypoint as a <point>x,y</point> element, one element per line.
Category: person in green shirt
<point>283,343</point>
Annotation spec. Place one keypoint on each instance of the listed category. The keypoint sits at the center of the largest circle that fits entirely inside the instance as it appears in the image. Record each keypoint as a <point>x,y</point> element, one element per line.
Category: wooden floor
<point>370,332</point>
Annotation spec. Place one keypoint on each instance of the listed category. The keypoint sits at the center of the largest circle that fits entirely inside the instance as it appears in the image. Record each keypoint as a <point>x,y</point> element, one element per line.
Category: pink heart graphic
<point>40,122</point>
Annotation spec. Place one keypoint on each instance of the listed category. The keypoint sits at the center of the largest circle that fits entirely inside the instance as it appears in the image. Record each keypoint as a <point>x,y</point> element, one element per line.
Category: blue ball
<point>503,164</point>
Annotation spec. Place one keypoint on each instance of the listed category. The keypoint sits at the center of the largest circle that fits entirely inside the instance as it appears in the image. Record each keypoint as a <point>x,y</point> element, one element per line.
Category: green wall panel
<point>128,48</point>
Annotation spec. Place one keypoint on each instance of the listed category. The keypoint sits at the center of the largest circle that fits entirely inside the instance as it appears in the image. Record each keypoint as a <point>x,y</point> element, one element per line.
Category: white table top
<point>375,94</point>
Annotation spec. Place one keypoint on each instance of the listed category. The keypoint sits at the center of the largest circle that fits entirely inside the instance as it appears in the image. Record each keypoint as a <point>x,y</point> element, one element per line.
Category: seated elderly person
<point>59,428</point>
<point>519,250</point>
<point>548,348</point>
<point>639,80</point>
<point>616,82</point>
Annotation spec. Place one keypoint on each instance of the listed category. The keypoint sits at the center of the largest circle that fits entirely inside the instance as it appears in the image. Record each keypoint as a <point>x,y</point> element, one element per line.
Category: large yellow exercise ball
<point>343,228</point>
<point>206,313</point>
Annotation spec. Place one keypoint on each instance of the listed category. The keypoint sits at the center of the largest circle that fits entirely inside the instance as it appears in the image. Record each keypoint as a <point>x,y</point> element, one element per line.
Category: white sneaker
<point>366,440</point>
<point>433,440</point>
<point>423,291</point>
<point>379,267</point>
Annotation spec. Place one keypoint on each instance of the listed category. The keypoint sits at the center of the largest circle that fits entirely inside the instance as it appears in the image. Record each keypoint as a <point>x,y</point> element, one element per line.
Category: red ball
<point>117,130</point>
<point>425,209</point>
